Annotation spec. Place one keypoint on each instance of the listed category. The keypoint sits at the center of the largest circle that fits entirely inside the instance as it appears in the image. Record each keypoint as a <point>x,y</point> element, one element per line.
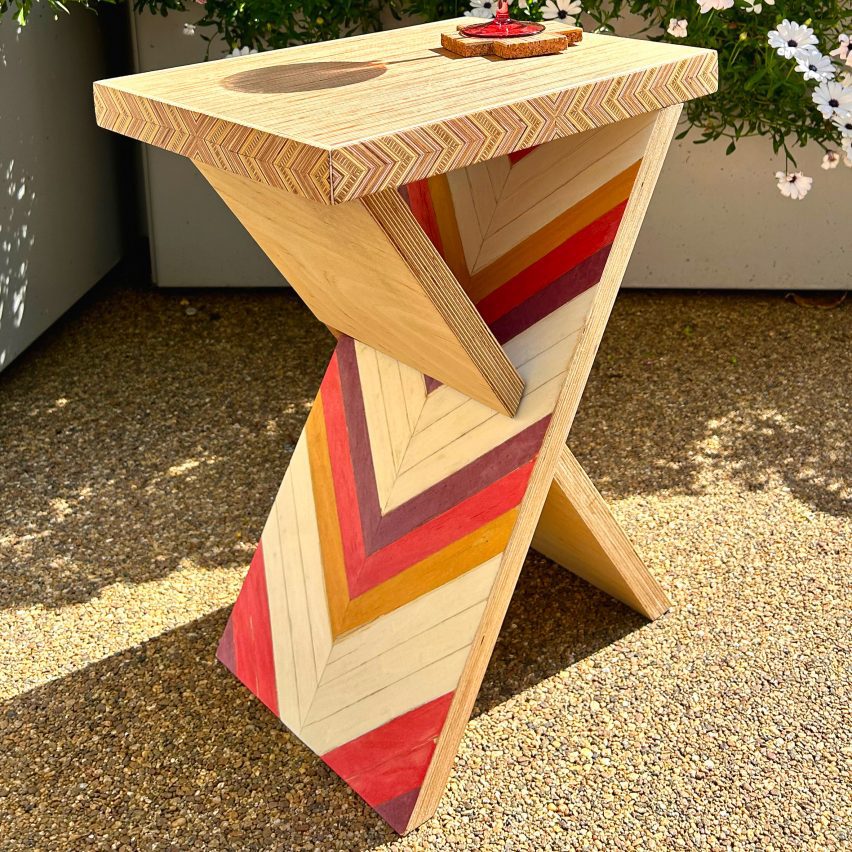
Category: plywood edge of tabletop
<point>350,174</point>
<point>301,168</point>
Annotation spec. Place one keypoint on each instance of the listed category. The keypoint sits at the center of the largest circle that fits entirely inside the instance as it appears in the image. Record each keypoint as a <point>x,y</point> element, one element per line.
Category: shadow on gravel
<point>161,744</point>
<point>555,620</point>
<point>690,388</point>
<point>151,426</point>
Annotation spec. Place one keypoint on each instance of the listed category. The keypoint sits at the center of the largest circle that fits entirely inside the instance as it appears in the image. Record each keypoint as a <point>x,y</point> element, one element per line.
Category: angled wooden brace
<point>577,530</point>
<point>384,571</point>
<point>366,269</point>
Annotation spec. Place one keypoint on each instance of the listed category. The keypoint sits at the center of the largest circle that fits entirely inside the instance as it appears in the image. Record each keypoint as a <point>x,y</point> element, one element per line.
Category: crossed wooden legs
<point>383,573</point>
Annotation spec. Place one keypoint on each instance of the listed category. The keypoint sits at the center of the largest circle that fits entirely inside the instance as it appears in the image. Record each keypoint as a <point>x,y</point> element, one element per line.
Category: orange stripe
<point>331,545</point>
<point>553,234</point>
<point>441,567</point>
<point>445,213</point>
<point>454,560</point>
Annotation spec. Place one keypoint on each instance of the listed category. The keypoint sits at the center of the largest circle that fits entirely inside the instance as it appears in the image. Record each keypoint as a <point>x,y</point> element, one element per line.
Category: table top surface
<point>338,95</point>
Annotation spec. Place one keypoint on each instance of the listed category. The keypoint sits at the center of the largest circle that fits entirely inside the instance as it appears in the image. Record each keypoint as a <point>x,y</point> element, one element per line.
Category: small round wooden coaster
<point>554,39</point>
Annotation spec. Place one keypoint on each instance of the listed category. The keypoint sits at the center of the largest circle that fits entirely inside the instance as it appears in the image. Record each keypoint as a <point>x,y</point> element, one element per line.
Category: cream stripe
<point>311,560</point>
<point>465,210</point>
<point>412,619</point>
<point>279,616</point>
<point>412,691</point>
<point>343,694</point>
<point>388,412</point>
<point>538,370</point>
<point>395,410</point>
<point>482,191</point>
<point>586,163</point>
<point>381,446</point>
<point>284,511</point>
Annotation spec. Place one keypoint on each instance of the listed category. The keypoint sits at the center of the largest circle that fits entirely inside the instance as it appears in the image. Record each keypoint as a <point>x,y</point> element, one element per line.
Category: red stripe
<point>343,477</point>
<point>252,635</point>
<point>420,202</point>
<point>515,156</point>
<point>547,269</point>
<point>463,518</point>
<point>403,772</point>
<point>400,748</point>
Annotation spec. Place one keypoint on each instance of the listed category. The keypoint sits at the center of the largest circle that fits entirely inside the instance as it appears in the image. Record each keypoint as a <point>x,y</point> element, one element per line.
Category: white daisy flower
<point>481,9</point>
<point>241,51</point>
<point>189,29</point>
<point>830,160</point>
<point>815,66</point>
<point>791,39</point>
<point>843,51</point>
<point>677,28</point>
<point>832,97</point>
<point>844,125</point>
<point>565,11</point>
<point>708,5</point>
<point>793,185</point>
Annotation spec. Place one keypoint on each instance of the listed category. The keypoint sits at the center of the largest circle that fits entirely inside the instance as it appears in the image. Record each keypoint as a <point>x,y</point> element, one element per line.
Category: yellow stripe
<point>454,560</point>
<point>553,234</point>
<point>331,545</point>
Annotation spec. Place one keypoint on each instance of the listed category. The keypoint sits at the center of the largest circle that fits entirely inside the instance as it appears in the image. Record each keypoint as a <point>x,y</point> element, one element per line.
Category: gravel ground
<point>143,439</point>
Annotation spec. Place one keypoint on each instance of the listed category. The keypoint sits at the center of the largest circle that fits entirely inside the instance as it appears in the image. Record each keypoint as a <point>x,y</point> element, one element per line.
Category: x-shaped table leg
<point>374,600</point>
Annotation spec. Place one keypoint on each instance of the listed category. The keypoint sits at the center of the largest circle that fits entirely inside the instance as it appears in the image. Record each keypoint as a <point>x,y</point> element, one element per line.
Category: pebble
<point>139,458</point>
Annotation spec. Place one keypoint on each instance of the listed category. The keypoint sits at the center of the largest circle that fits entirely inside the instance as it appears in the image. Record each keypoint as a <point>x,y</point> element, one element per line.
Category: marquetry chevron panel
<point>366,269</point>
<point>344,119</point>
<point>384,571</point>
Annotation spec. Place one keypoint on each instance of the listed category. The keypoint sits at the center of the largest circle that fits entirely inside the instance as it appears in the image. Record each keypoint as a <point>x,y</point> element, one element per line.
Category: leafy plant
<point>272,24</point>
<point>761,93</point>
<point>21,9</point>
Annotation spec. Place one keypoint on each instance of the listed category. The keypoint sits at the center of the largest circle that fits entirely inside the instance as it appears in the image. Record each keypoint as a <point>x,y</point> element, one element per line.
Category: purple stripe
<point>431,384</point>
<point>396,812</point>
<point>359,441</point>
<point>472,478</point>
<point>225,651</point>
<point>379,531</point>
<point>553,296</point>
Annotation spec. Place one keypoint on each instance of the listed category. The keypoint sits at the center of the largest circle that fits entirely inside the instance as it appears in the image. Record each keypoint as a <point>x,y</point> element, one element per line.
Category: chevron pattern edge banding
<point>340,173</point>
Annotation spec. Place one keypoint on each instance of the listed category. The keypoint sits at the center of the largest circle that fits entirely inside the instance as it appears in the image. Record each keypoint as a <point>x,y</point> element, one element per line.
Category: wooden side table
<point>462,225</point>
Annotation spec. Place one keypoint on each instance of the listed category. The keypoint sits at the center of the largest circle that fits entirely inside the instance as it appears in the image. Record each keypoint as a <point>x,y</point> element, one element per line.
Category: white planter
<point>720,222</point>
<point>195,240</point>
<point>59,209</point>
<point>714,221</point>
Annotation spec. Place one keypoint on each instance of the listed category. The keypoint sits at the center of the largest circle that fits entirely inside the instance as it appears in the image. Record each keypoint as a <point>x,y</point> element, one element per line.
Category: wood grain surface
<point>397,536</point>
<point>366,269</point>
<point>577,530</point>
<point>343,119</point>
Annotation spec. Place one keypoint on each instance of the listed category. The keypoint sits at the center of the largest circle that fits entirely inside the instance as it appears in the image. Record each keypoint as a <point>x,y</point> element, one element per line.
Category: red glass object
<point>502,26</point>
